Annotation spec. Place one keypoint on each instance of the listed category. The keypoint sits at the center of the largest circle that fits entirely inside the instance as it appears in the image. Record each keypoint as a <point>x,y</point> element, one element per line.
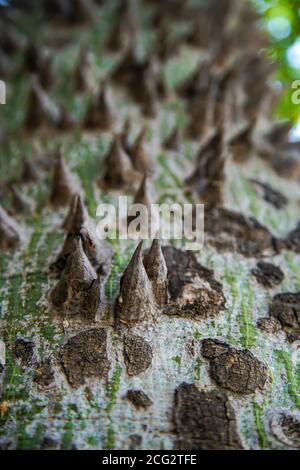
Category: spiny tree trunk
<point>190,350</point>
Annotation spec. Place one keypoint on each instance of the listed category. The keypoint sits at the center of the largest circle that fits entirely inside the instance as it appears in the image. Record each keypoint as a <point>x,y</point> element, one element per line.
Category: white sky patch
<point>280,27</point>
<point>295,133</point>
<point>293,54</point>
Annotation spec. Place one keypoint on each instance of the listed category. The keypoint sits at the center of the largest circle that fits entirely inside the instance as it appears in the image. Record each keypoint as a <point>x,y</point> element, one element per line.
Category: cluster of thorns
<point>229,99</point>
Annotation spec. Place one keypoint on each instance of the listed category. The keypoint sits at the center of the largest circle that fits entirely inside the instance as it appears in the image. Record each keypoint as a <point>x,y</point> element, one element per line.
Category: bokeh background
<point>281,18</point>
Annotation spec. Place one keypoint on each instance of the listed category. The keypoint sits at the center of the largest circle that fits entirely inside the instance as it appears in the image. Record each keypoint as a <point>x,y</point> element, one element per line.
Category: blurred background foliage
<point>281,18</point>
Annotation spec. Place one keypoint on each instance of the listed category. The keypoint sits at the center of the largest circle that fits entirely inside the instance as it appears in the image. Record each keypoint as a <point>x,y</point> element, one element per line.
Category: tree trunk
<point>131,367</point>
